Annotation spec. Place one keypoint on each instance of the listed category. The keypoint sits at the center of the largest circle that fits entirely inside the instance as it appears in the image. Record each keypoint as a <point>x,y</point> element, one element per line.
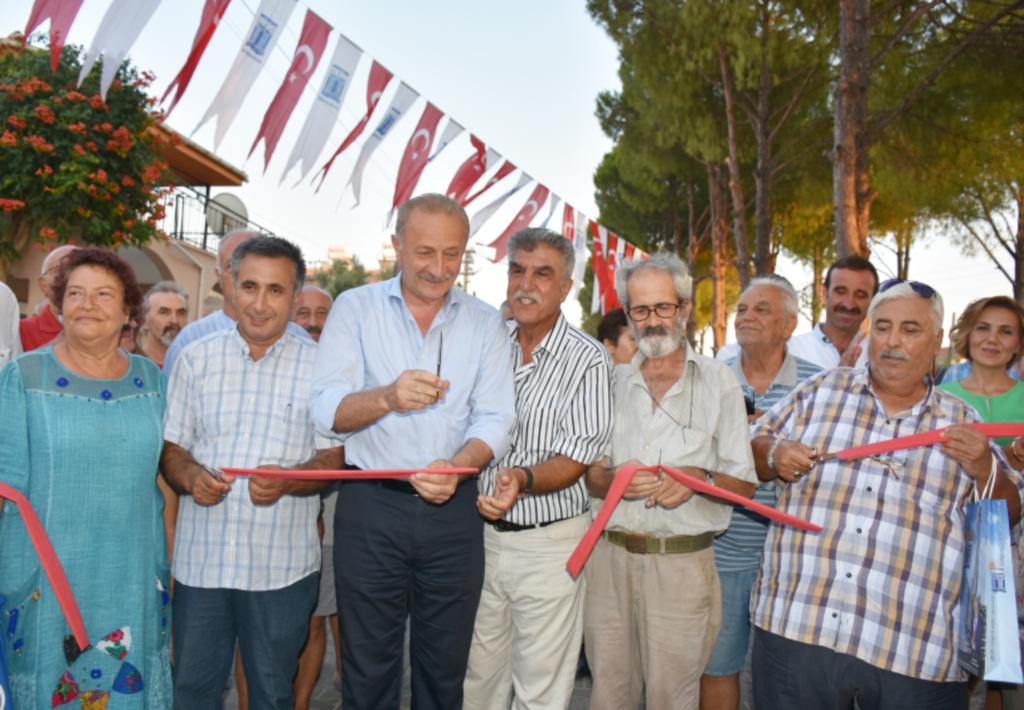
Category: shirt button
<point>869,489</point>
<point>849,574</point>
<point>859,531</point>
<point>835,615</point>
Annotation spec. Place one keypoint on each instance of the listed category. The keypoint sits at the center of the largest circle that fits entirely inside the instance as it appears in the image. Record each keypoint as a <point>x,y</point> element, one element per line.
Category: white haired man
<point>864,613</point>
<point>765,318</point>
<point>164,314</point>
<point>653,602</point>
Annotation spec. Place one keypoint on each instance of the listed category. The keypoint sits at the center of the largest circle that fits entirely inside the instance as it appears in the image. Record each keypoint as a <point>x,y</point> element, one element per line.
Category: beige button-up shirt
<point>701,421</point>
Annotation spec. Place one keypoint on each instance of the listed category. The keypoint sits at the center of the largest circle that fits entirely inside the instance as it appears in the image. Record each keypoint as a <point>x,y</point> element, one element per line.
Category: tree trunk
<point>851,186</point>
<point>20,237</point>
<point>817,267</point>
<point>739,210</point>
<point>719,230</point>
<point>763,261</point>
<point>691,255</point>
<point>904,236</point>
<point>1018,260</point>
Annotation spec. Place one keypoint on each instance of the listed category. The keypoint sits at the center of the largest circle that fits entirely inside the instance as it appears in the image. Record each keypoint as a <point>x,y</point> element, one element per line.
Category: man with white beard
<point>529,624</point>
<point>164,314</point>
<point>653,603</point>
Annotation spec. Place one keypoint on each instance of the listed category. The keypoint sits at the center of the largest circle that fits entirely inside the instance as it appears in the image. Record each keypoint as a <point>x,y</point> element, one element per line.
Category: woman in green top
<point>990,334</point>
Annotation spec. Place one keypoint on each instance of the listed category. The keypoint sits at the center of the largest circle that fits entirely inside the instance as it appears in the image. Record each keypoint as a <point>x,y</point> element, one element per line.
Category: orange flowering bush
<point>75,167</point>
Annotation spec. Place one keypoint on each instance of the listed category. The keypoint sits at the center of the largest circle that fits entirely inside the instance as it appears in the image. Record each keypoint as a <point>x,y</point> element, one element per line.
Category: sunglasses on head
<point>921,289</point>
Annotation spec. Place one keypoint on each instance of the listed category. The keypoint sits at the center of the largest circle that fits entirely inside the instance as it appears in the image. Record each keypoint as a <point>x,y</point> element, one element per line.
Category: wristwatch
<point>529,479</point>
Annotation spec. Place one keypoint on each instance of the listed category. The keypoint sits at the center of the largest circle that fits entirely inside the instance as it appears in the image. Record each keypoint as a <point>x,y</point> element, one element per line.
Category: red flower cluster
<point>10,205</point>
<point>45,114</point>
<point>39,143</point>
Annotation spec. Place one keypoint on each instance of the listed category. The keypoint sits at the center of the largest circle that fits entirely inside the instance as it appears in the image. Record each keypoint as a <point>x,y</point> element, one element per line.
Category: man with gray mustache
<point>529,624</point>
<point>864,613</point>
<point>653,601</point>
<point>164,314</point>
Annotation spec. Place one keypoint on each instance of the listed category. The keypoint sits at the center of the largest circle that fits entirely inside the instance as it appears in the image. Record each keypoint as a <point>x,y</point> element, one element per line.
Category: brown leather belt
<point>646,544</point>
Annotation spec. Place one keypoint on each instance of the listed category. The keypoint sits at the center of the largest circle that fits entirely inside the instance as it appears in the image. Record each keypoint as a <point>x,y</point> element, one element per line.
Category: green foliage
<point>341,276</point>
<point>76,167</point>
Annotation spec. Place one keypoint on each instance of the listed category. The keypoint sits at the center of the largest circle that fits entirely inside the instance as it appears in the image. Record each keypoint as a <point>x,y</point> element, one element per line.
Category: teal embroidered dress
<point>85,452</point>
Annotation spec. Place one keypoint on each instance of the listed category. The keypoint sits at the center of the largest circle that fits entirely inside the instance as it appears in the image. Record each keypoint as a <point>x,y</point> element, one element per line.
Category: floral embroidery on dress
<point>97,671</point>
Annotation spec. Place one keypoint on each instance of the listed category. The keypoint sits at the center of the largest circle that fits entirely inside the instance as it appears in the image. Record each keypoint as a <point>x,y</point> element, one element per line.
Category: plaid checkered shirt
<point>882,581</point>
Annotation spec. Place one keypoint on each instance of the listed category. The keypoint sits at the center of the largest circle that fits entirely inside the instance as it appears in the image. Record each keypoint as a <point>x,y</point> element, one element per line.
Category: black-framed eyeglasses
<point>921,289</point>
<point>662,310</point>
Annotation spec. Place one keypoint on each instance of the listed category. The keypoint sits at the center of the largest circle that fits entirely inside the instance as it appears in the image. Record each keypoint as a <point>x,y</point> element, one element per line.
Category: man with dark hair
<point>529,625</point>
<point>247,554</point>
<point>415,374</point>
<point>225,317</point>
<point>164,314</point>
<point>614,332</point>
<point>850,283</point>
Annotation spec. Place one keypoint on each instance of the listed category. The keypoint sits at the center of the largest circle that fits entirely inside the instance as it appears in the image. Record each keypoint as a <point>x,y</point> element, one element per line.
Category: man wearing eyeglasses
<point>529,624</point>
<point>653,602</point>
<point>864,613</point>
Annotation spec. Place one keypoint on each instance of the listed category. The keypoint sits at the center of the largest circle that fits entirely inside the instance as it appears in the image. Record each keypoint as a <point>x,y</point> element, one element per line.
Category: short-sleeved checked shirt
<point>227,409</point>
<point>882,581</point>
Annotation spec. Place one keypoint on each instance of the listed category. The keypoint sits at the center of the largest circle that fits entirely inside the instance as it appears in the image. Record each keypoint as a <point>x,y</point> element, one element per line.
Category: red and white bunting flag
<point>613,257</point>
<point>599,266</point>
<point>400,105</point>
<point>62,14</point>
<point>375,85</point>
<point>451,131</point>
<point>568,223</point>
<point>555,199</point>
<point>470,171</point>
<point>629,251</point>
<point>213,11</point>
<point>507,168</point>
<point>520,221</point>
<point>260,40</point>
<point>487,212</point>
<point>120,27</point>
<point>416,152</point>
<point>320,119</point>
<point>312,41</point>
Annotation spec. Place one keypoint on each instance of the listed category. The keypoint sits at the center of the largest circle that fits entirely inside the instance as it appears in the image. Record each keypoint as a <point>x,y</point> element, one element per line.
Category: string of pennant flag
<point>124,21</point>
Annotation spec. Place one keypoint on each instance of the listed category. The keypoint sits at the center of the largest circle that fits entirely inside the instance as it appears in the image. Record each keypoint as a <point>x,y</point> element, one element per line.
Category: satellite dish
<point>225,212</point>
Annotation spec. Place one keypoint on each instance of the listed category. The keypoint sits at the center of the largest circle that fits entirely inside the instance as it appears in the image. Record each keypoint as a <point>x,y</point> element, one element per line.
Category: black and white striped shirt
<point>563,407</point>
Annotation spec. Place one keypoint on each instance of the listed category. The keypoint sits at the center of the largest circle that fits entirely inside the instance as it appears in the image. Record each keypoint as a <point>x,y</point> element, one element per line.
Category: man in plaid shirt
<point>866,611</point>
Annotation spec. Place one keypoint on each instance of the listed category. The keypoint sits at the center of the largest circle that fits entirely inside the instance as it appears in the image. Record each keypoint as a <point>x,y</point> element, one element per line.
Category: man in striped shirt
<point>866,611</point>
<point>653,604</point>
<point>529,625</point>
<point>765,318</point>
<point>246,553</point>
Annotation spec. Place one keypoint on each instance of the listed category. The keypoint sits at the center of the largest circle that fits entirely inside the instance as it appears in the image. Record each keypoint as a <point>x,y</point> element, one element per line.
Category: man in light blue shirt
<point>412,373</point>
<point>224,318</point>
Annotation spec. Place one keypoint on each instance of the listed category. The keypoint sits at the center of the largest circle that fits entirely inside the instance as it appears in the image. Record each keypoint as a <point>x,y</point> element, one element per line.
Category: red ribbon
<point>51,565</point>
<point>342,475</point>
<point>621,481</point>
<point>936,436</point>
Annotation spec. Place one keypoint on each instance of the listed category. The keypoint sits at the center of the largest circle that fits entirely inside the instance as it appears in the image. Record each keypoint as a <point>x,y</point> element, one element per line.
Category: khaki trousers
<point>649,619</point>
<point>529,625</point>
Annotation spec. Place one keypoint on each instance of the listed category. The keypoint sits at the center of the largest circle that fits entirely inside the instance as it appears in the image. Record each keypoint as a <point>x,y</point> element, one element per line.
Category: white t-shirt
<point>813,346</point>
<point>10,339</point>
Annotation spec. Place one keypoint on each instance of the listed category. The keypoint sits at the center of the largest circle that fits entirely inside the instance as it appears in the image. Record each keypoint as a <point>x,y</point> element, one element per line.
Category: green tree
<point>76,167</point>
<point>341,276</point>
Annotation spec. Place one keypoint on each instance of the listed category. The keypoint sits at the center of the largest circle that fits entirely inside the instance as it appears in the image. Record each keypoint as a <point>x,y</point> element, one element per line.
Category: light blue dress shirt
<point>371,337</point>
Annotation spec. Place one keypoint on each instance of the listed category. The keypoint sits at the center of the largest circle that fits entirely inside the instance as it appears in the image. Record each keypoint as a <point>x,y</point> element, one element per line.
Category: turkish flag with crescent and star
<point>471,169</point>
<point>375,85</point>
<point>507,168</point>
<point>62,14</point>
<point>521,221</point>
<point>417,150</point>
<point>312,42</point>
<point>213,11</point>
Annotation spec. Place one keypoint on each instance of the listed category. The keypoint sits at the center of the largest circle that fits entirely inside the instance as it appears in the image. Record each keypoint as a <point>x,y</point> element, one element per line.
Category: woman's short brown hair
<point>94,256</point>
<point>960,335</point>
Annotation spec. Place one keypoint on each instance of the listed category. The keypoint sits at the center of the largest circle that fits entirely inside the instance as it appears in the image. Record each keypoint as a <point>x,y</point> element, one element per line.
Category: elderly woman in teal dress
<point>81,439</point>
